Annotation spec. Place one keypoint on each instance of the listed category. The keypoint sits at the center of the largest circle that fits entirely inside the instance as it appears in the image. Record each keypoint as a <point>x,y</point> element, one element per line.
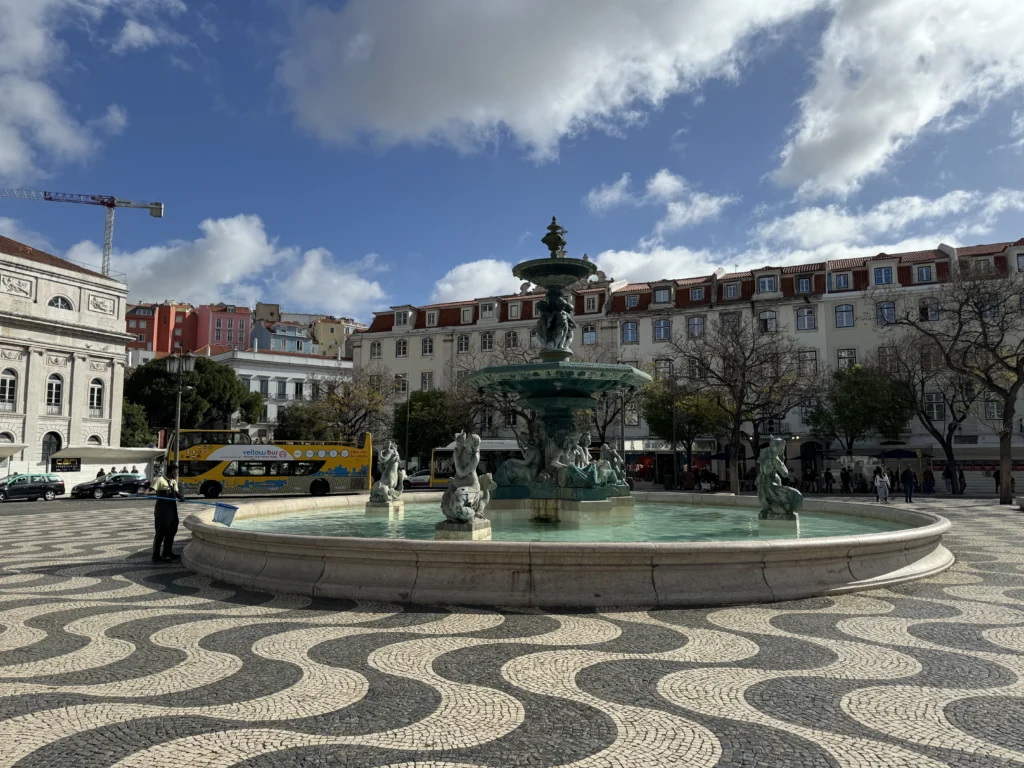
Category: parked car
<point>418,479</point>
<point>31,487</point>
<point>111,485</point>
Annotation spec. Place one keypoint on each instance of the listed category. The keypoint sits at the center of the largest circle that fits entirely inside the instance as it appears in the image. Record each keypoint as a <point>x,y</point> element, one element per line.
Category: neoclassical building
<point>62,355</point>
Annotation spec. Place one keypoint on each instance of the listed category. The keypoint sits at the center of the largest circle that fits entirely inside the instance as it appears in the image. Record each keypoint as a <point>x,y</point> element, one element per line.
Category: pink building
<point>223,324</point>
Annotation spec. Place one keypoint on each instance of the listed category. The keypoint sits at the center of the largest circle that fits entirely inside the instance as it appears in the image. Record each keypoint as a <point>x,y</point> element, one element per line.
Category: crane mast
<point>156,210</point>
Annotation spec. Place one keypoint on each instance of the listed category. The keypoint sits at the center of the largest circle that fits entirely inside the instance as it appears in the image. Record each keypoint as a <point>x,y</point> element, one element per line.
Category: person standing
<point>947,477</point>
<point>879,472</point>
<point>100,474</point>
<point>165,514</point>
<point>844,480</point>
<point>908,480</point>
<point>996,476</point>
<point>962,479</point>
<point>828,481</point>
<point>882,487</point>
<point>928,487</point>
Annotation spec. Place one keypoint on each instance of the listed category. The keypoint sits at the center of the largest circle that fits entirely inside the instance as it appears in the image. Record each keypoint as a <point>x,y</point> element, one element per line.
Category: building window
<point>730,321</point>
<point>694,327</point>
<point>177,344</point>
<point>487,341</point>
<point>265,414</point>
<point>632,302</point>
<point>662,296</point>
<point>432,317</point>
<point>629,333</point>
<point>511,339</point>
<point>299,390</point>
<point>767,285</point>
<point>663,369</point>
<point>299,346</point>
<point>241,328</point>
<point>589,334</point>
<point>427,345</point>
<point>883,275</point>
<point>8,390</point>
<point>217,335</point>
<point>696,294</point>
<point>375,348</point>
<point>60,302</point>
<point>695,369</point>
<point>401,348</point>
<point>732,291</point>
<point>808,362</point>
<point>427,381</point>
<point>131,323</point>
<point>402,318</point>
<point>803,285</point>
<point>842,282</point>
<point>513,311</point>
<point>924,274</point>
<point>94,440</point>
<point>1020,262</point>
<point>844,316</point>
<point>487,310</point>
<point>264,387</point>
<point>928,309</point>
<point>54,394</point>
<point>885,313</point>
<point>982,266</point>
<point>231,322</point>
<point>282,389</point>
<point>632,417</point>
<point>931,358</point>
<point>805,320</point>
<point>847,358</point>
<point>768,321</point>
<point>511,419</point>
<point>140,337</point>
<point>934,407</point>
<point>96,399</point>
<point>220,322</point>
<point>462,344</point>
<point>177,332</point>
<point>887,358</point>
<point>467,315</point>
<point>590,304</point>
<point>662,330</point>
<point>401,383</point>
<point>52,442</point>
<point>992,408</point>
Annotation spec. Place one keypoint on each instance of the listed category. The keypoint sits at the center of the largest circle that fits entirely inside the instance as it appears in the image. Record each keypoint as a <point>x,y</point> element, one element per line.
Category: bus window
<point>306,467</point>
<point>197,468</point>
<point>252,468</point>
<point>279,468</point>
<point>231,469</point>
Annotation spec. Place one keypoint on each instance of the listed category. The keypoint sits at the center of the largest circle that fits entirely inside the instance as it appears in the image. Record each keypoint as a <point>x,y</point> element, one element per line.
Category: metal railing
<point>96,413</point>
<point>53,410</point>
<point>7,406</point>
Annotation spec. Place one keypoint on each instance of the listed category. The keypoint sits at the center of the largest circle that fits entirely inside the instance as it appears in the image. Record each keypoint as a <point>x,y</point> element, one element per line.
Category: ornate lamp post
<point>179,365</point>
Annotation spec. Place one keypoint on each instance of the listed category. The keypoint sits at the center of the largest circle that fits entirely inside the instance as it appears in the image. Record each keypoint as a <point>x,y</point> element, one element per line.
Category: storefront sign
<point>978,465</point>
<point>65,465</point>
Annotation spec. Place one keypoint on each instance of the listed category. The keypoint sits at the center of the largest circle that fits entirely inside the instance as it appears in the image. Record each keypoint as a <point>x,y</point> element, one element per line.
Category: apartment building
<point>834,308</point>
<point>282,336</point>
<point>226,324</point>
<point>161,328</point>
<point>332,334</point>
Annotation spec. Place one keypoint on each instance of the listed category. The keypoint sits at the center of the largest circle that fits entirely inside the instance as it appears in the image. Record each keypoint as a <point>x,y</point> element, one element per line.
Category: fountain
<point>557,480</point>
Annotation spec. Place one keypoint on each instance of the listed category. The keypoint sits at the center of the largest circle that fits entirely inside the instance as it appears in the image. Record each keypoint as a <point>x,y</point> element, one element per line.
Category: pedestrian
<point>165,514</point>
<point>124,469</point>
<point>947,477</point>
<point>828,481</point>
<point>929,481</point>
<point>908,480</point>
<point>879,472</point>
<point>100,474</point>
<point>894,479</point>
<point>995,476</point>
<point>135,470</point>
<point>882,487</point>
<point>844,480</point>
<point>962,479</point>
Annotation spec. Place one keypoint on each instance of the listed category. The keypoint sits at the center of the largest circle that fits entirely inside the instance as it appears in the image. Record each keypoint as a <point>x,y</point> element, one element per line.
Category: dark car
<point>31,487</point>
<point>111,485</point>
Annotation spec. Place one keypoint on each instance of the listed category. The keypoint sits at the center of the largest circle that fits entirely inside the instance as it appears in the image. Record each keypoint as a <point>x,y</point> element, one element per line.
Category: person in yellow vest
<point>165,514</point>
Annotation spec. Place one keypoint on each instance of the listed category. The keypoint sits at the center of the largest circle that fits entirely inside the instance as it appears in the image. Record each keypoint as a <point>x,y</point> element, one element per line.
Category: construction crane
<point>156,210</point>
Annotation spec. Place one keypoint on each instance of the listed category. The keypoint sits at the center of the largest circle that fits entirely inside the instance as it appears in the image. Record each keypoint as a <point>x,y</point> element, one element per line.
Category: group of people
<point>124,469</point>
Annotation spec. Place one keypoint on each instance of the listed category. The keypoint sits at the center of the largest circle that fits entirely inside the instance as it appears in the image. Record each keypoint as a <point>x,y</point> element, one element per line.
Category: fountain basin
<point>567,574</point>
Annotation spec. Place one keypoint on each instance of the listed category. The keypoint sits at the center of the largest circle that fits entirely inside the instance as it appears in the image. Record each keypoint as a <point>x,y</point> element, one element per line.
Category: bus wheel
<point>210,490</point>
<point>319,488</point>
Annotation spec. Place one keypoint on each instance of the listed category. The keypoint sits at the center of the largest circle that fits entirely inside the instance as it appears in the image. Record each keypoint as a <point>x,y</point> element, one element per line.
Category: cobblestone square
<point>109,660</point>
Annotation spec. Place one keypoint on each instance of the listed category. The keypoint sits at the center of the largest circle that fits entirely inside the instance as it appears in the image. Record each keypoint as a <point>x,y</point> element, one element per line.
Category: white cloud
<point>114,120</point>
<point>609,195</point>
<point>656,262</point>
<point>136,36</point>
<point>486,277</point>
<point>664,186</point>
<point>532,69</point>
<point>234,260</point>
<point>693,209</point>
<point>13,229</point>
<point>890,70</point>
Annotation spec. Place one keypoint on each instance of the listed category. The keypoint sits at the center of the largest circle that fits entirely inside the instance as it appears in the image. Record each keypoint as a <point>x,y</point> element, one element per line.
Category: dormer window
<point>883,275</point>
<point>662,296</point>
<point>432,317</point>
<point>982,266</point>
<point>402,318</point>
<point>513,311</point>
<point>803,284</point>
<point>467,315</point>
<point>732,291</point>
<point>632,302</point>
<point>842,282</point>
<point>590,304</point>
<point>767,285</point>
<point>696,294</point>
<point>487,310</point>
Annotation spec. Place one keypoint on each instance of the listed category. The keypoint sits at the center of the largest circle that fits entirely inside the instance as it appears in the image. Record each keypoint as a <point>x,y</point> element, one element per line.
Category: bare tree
<point>354,402</point>
<point>749,366</point>
<point>609,408</point>
<point>976,323</point>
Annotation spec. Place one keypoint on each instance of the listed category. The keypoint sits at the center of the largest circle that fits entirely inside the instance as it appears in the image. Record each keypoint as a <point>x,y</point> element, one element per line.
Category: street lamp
<point>179,365</point>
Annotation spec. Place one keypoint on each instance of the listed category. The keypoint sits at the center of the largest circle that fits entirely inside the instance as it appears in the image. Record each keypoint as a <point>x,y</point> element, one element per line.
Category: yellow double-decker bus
<point>216,462</point>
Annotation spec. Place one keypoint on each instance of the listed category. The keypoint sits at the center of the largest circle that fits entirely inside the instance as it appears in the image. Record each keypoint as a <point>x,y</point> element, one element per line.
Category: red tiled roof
<point>633,288</point>
<point>845,264</point>
<point>799,269</point>
<point>734,276</point>
<point>382,321</point>
<point>693,280</point>
<point>982,250</point>
<point>14,248</point>
<point>912,256</point>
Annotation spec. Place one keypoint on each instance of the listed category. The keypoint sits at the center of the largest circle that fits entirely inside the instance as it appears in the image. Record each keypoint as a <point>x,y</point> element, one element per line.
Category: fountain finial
<point>554,239</point>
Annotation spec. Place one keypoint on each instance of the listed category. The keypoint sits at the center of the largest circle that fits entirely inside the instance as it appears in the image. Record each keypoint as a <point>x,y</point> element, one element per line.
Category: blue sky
<point>345,156</point>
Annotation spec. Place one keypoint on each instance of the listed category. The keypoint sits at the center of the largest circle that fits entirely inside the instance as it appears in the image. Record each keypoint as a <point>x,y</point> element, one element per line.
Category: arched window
<point>6,437</point>
<point>768,321</point>
<point>51,444</point>
<point>375,350</point>
<point>96,398</point>
<point>60,302</point>
<point>844,316</point>
<point>486,341</point>
<point>462,344</point>
<point>8,390</point>
<point>589,334</point>
<point>54,394</point>
<point>885,313</point>
<point>427,345</point>
<point>511,339</point>
<point>95,440</point>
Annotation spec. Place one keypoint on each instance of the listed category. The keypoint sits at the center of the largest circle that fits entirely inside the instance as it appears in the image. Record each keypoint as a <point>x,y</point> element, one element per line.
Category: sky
<point>343,157</point>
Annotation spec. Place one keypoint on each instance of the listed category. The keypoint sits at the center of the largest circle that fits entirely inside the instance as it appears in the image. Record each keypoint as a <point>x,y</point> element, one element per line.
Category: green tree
<point>135,431</point>
<point>679,414</point>
<point>305,421</point>
<point>434,418</point>
<point>857,402</point>
<point>213,396</point>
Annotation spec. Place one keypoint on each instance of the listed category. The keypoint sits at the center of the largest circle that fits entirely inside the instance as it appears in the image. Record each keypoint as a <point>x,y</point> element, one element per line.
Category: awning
<point>9,449</point>
<point>105,453</point>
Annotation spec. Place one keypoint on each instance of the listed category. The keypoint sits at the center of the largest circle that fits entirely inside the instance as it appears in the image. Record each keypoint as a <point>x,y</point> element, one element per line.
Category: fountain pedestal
<point>395,509</point>
<point>475,530</point>
<point>788,525</point>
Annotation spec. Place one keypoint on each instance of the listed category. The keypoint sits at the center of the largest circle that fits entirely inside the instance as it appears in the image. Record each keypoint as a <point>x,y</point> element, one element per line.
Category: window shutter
<point>942,271</point>
<point>903,275</point>
<point>787,287</point>
<point>860,279</point>
<point>819,284</point>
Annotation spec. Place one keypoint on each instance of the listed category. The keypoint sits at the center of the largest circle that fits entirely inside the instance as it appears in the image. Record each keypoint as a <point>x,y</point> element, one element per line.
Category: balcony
<point>777,428</point>
<point>96,413</point>
<point>53,410</point>
<point>7,406</point>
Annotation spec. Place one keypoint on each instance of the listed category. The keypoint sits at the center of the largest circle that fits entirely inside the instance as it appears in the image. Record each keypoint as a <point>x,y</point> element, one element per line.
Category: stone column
<point>35,397</point>
<point>78,397</point>
<point>116,400</point>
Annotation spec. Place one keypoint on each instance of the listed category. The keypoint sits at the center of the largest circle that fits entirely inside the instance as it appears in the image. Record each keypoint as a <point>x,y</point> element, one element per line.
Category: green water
<point>651,523</point>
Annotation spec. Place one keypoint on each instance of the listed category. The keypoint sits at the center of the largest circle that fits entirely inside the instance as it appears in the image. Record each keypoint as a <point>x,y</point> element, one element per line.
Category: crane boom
<point>156,210</point>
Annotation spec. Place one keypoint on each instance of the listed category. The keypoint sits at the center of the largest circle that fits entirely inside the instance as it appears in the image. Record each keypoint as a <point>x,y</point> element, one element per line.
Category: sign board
<point>978,465</point>
<point>65,465</point>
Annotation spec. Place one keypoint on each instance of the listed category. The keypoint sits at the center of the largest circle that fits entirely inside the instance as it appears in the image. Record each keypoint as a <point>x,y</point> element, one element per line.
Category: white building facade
<point>62,355</point>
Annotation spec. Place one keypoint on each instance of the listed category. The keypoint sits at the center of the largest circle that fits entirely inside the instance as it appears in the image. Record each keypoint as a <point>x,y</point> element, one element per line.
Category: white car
<point>418,479</point>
